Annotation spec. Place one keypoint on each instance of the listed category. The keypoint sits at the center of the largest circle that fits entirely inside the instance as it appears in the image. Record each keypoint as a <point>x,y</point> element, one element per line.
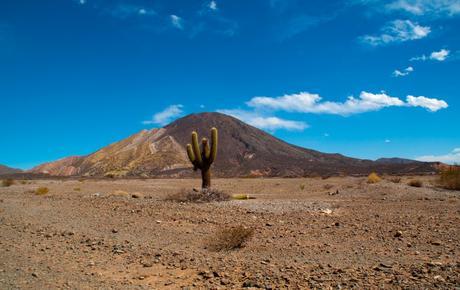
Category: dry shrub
<point>373,178</point>
<point>120,193</point>
<point>415,183</point>
<point>395,179</point>
<point>230,238</point>
<point>41,191</point>
<point>242,196</point>
<point>205,195</point>
<point>449,178</point>
<point>302,186</point>
<point>7,182</point>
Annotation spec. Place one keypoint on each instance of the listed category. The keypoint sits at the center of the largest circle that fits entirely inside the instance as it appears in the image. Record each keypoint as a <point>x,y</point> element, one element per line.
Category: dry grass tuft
<point>230,238</point>
<point>41,191</point>
<point>449,178</point>
<point>415,183</point>
<point>77,189</point>
<point>120,193</point>
<point>373,178</point>
<point>205,195</point>
<point>395,179</point>
<point>7,182</point>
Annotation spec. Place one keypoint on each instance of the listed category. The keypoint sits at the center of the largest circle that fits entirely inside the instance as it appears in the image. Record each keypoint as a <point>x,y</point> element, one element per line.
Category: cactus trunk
<point>205,178</point>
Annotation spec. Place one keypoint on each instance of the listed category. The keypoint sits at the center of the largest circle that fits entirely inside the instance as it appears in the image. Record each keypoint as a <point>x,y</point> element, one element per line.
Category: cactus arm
<point>206,150</point>
<point>196,150</point>
<point>213,145</point>
<point>190,154</point>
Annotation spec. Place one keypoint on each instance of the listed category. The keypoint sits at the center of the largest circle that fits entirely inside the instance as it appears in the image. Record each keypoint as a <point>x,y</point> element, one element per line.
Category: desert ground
<point>333,233</point>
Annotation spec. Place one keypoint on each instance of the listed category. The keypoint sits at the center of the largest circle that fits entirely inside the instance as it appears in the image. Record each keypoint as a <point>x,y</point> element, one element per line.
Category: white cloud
<point>434,8</point>
<point>82,2</point>
<point>305,102</point>
<point>165,116</point>
<point>387,141</point>
<point>440,55</point>
<point>452,157</point>
<point>263,122</point>
<point>397,31</point>
<point>177,22</point>
<point>432,105</point>
<point>311,103</point>
<point>404,72</point>
<point>212,5</point>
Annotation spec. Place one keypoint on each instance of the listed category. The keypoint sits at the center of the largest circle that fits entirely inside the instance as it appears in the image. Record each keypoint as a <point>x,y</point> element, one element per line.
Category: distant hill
<point>243,151</point>
<point>8,170</point>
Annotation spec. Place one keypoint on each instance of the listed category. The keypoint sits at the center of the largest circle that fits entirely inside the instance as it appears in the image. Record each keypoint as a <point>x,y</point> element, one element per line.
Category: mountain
<point>243,151</point>
<point>8,170</point>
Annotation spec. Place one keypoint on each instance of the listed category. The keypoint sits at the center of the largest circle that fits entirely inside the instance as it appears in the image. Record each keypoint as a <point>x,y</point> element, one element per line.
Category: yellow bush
<point>41,191</point>
<point>373,178</point>
<point>7,182</point>
<point>449,178</point>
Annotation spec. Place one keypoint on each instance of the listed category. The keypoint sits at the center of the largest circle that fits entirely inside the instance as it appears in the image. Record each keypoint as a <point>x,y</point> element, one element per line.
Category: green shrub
<point>449,178</point>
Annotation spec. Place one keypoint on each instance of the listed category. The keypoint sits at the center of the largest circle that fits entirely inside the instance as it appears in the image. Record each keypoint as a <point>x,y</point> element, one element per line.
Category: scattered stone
<point>436,243</point>
<point>398,234</point>
<point>114,231</point>
<point>34,275</point>
<point>136,195</point>
<point>147,264</point>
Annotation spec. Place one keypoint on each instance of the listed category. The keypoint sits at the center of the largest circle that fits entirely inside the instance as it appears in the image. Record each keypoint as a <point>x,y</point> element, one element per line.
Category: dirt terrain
<point>122,234</point>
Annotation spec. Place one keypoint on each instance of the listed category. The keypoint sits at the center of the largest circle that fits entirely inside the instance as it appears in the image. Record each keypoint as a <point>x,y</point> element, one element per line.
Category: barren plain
<point>333,233</point>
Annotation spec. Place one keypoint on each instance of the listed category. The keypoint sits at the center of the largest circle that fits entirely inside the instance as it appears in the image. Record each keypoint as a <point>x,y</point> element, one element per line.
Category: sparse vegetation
<point>395,179</point>
<point>7,182</point>
<point>328,186</point>
<point>415,183</point>
<point>205,195</point>
<point>77,189</point>
<point>242,196</point>
<point>202,159</point>
<point>373,178</point>
<point>230,238</point>
<point>120,193</point>
<point>449,178</point>
<point>41,190</point>
<point>302,186</point>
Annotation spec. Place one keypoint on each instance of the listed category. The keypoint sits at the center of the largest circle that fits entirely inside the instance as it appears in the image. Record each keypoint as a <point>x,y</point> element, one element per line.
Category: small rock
<point>436,243</point>
<point>35,275</point>
<point>114,231</point>
<point>398,234</point>
<point>136,195</point>
<point>224,281</point>
<point>147,264</point>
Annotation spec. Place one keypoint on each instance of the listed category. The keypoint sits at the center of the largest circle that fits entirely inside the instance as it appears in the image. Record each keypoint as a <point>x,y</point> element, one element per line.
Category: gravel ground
<point>308,233</point>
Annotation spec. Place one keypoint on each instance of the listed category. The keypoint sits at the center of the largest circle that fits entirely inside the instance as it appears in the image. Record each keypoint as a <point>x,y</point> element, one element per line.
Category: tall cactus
<point>204,157</point>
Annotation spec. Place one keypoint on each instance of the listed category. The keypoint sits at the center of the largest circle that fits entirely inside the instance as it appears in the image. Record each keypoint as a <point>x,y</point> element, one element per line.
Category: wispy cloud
<point>452,157</point>
<point>261,121</point>
<point>177,22</point>
<point>433,8</point>
<point>305,102</point>
<point>414,8</point>
<point>404,72</point>
<point>166,116</point>
<point>397,31</point>
<point>123,11</point>
<point>440,55</point>
<point>212,5</point>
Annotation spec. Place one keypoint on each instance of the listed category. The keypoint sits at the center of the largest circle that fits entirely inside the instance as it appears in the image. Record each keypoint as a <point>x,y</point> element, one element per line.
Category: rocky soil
<point>308,233</point>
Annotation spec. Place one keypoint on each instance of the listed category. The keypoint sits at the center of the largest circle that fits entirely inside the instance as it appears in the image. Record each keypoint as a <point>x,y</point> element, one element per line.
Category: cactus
<point>204,157</point>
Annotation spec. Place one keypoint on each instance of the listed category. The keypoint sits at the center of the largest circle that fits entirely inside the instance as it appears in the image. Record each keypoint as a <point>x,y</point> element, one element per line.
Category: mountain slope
<point>8,170</point>
<point>243,151</point>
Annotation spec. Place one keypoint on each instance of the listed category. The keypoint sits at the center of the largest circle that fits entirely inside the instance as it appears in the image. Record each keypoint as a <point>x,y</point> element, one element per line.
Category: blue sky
<point>365,78</point>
